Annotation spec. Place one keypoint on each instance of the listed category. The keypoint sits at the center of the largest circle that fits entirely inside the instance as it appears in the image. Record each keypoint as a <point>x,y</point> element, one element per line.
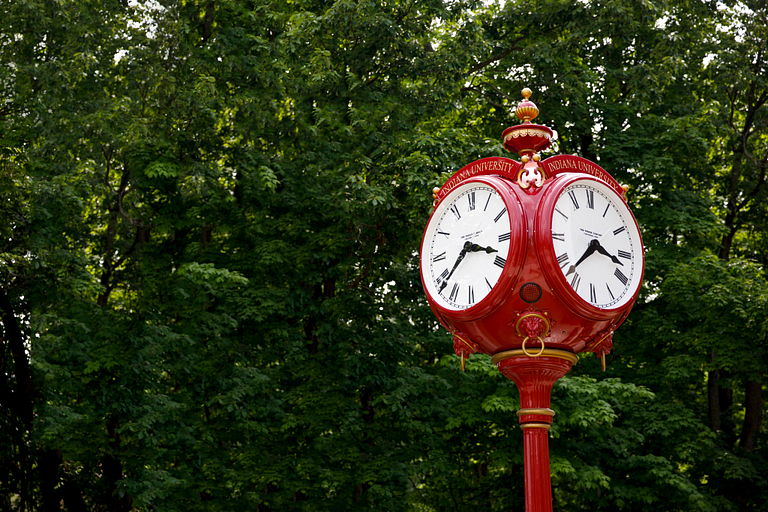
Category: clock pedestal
<point>534,377</point>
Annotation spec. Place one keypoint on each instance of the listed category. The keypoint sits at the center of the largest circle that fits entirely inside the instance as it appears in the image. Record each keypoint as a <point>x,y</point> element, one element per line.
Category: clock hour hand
<point>477,248</point>
<point>591,248</point>
<point>463,253</point>
<point>602,251</point>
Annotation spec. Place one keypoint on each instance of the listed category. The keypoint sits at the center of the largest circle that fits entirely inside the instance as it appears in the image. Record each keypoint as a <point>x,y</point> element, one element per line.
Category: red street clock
<point>532,262</point>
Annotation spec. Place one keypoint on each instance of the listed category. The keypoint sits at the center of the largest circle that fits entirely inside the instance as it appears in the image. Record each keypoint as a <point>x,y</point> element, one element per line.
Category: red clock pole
<point>534,378</point>
<point>571,260</point>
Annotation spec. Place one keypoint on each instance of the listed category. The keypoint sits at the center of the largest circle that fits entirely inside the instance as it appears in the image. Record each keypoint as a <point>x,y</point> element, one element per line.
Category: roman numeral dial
<point>595,245</point>
<point>467,245</point>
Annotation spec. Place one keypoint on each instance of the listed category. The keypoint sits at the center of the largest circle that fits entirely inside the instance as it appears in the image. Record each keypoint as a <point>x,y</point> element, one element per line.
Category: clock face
<point>466,246</point>
<point>597,244</point>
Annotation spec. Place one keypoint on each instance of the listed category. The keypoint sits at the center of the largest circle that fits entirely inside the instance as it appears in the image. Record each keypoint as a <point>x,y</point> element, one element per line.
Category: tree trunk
<point>112,470</point>
<point>107,267</point>
<point>753,414</point>
<point>56,487</point>
<point>727,241</point>
<point>22,397</point>
<point>713,395</point>
<point>733,208</point>
<point>585,143</point>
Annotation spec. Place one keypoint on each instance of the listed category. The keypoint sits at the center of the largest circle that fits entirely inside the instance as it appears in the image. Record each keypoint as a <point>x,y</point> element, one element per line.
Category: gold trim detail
<point>547,352</point>
<point>465,342</point>
<point>604,338</point>
<point>540,351</point>
<point>543,412</point>
<point>520,180</point>
<point>527,113</point>
<point>545,426</point>
<point>527,132</point>
<point>463,352</point>
<point>538,181</point>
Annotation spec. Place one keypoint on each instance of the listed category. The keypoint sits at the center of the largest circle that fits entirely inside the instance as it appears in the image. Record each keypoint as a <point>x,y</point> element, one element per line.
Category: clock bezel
<point>548,259</point>
<point>515,257</point>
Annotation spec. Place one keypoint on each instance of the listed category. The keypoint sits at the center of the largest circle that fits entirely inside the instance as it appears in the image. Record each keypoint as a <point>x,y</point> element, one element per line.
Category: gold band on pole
<point>545,426</point>
<point>543,412</point>
<point>547,352</point>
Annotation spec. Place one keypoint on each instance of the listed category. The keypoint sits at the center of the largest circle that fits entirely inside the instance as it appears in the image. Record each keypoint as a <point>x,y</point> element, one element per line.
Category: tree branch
<point>487,96</point>
<point>496,58</point>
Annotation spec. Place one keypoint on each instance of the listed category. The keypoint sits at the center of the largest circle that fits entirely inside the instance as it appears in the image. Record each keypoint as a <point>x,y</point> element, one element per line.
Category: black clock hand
<point>602,251</point>
<point>591,248</point>
<point>463,253</point>
<point>477,248</point>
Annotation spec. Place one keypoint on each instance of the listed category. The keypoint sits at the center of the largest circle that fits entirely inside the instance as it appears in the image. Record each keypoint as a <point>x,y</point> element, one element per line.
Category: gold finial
<point>527,138</point>
<point>526,109</point>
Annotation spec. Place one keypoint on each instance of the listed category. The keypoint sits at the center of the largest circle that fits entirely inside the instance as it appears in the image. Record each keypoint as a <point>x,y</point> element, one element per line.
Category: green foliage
<point>209,285</point>
<point>721,300</point>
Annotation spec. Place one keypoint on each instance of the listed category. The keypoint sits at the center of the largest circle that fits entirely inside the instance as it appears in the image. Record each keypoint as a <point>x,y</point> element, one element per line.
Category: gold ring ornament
<point>540,351</point>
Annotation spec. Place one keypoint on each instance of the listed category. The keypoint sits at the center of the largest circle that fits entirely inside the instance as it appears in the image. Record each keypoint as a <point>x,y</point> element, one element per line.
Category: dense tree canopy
<point>209,290</point>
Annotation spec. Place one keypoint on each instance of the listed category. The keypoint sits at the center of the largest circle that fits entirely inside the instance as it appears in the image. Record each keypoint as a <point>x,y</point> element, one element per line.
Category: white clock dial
<point>466,246</point>
<point>597,244</point>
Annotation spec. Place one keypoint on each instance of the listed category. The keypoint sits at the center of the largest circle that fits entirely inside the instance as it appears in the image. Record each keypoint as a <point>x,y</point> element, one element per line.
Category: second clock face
<point>597,244</point>
<point>466,246</point>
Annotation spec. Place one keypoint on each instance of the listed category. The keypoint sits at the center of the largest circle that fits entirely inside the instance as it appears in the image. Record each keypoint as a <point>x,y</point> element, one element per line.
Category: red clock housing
<point>531,281</point>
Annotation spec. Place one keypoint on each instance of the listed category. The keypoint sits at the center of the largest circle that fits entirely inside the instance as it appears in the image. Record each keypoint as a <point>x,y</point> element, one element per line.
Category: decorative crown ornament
<point>527,138</point>
<point>526,109</point>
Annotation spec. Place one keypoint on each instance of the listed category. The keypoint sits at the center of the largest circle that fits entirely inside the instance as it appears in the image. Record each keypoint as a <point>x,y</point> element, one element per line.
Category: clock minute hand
<point>591,248</point>
<point>463,253</point>
<point>602,251</point>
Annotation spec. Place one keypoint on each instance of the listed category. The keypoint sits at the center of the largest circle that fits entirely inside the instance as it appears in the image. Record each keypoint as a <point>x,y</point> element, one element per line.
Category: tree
<point>215,211</point>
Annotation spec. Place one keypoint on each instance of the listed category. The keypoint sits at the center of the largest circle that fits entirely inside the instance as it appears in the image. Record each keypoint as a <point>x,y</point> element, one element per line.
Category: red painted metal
<point>532,322</point>
<point>534,379</point>
<point>488,323</point>
<point>538,486</point>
